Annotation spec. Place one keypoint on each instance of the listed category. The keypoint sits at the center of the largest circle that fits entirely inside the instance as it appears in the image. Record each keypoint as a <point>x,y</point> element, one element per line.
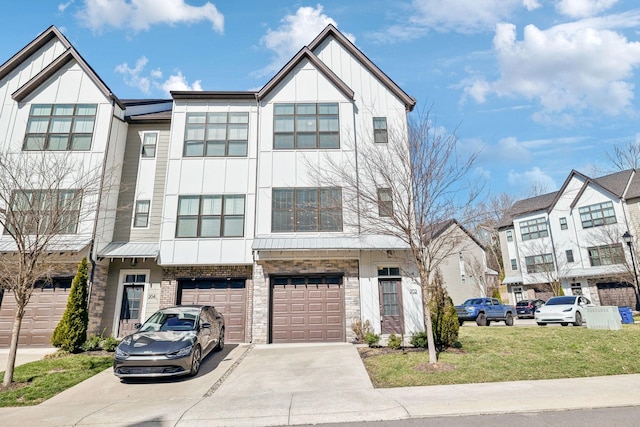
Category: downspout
<point>553,251</point>
<point>355,147</point>
<point>255,212</point>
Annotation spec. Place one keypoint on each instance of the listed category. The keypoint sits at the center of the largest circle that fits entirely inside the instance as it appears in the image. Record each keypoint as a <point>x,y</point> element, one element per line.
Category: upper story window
<point>141,214</point>
<point>514,264</point>
<point>306,126</point>
<point>216,134</point>
<point>44,212</point>
<point>380,129</point>
<point>389,271</point>
<point>534,229</point>
<point>210,216</point>
<point>539,263</point>
<point>606,255</point>
<point>306,209</point>
<point>509,235</point>
<point>563,223</point>
<point>597,215</point>
<point>149,142</point>
<point>60,127</point>
<point>385,202</point>
<point>569,254</point>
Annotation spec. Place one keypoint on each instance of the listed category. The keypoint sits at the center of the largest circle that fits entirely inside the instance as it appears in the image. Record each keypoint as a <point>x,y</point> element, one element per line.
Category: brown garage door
<point>44,311</point>
<point>307,309</point>
<point>228,297</point>
<point>620,294</point>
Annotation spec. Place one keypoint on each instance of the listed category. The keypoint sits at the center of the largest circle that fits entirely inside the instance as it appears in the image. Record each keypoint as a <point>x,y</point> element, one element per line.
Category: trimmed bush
<point>394,341</point>
<point>419,340</point>
<point>444,317</point>
<point>71,332</point>
<point>371,339</point>
<point>109,344</point>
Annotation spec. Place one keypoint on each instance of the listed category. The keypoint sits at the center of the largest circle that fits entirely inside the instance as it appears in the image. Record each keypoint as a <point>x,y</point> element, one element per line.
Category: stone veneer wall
<point>261,289</point>
<point>97,298</point>
<point>171,275</point>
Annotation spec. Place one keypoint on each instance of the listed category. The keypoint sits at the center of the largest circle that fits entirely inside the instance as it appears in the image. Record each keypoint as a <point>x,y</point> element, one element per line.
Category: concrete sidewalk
<point>268,385</point>
<point>25,355</point>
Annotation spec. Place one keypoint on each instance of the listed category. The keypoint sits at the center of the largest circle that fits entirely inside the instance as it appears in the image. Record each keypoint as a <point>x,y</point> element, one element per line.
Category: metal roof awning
<point>299,243</point>
<point>56,246</point>
<point>512,280</point>
<point>130,250</point>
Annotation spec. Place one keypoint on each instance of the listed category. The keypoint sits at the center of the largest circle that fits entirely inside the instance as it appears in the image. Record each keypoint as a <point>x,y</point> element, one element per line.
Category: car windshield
<point>183,320</point>
<point>473,301</point>
<point>561,300</point>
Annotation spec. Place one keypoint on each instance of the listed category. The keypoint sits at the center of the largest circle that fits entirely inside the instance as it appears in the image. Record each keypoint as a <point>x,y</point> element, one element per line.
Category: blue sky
<point>538,87</point>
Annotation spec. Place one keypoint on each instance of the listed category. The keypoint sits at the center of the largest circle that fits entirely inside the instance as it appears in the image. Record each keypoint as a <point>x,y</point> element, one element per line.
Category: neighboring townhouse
<point>572,239</point>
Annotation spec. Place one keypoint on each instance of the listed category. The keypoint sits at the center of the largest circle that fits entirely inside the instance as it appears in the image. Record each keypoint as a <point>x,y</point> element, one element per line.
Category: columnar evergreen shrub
<point>71,331</point>
<point>444,317</point>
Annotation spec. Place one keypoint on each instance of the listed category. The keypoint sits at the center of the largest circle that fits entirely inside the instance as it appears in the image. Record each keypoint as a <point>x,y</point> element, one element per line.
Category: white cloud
<point>534,178</point>
<point>531,4</point>
<point>295,32</point>
<point>566,68</point>
<point>63,6</point>
<point>583,8</point>
<point>511,150</point>
<point>145,82</point>
<point>140,15</point>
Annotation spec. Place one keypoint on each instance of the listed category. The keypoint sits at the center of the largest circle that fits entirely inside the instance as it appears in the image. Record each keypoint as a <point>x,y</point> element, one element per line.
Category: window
<point>509,235</point>
<point>385,202</point>
<point>514,264</point>
<point>569,254</point>
<point>216,134</point>
<point>576,289</point>
<point>563,223</point>
<point>306,209</point>
<point>141,215</point>
<point>534,229</point>
<point>606,255</point>
<point>210,216</point>
<point>306,126</point>
<point>597,215</point>
<point>60,127</point>
<point>45,212</point>
<point>388,271</point>
<point>539,263</point>
<point>149,141</point>
<point>380,129</point>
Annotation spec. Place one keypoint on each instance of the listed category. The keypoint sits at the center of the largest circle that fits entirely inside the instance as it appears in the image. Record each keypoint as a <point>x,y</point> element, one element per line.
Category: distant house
<point>571,240</point>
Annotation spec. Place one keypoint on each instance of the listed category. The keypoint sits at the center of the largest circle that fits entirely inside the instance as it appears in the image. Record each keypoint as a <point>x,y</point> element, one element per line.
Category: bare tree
<point>407,189</point>
<point>476,269</point>
<point>44,199</point>
<point>624,157</point>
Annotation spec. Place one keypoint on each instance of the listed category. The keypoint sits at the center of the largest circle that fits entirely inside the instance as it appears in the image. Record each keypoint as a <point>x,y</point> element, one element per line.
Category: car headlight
<point>185,351</point>
<point>120,354</point>
<point>566,310</point>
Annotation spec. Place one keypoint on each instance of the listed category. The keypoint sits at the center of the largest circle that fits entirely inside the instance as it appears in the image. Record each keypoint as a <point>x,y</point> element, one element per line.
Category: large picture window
<point>216,134</point>
<point>606,255</point>
<point>210,216</point>
<point>306,126</point>
<point>539,263</point>
<point>306,209</point>
<point>534,229</point>
<point>60,127</point>
<point>597,215</point>
<point>44,212</point>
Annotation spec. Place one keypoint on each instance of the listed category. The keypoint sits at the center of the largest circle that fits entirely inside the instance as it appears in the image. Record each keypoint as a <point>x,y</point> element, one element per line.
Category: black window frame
<point>292,115</point>
<point>34,208</point>
<point>148,150</point>
<point>542,263</point>
<point>597,214</point>
<point>290,206</point>
<point>514,264</point>
<point>535,228</point>
<point>31,143</point>
<point>385,207</point>
<point>569,255</point>
<point>563,223</point>
<point>210,122</point>
<point>380,130</point>
<point>606,255</point>
<point>140,214</point>
<point>203,217</point>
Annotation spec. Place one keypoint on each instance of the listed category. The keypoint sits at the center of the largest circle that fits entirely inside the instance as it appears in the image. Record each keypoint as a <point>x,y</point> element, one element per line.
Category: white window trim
<point>133,214</point>
<point>118,308</point>
<point>144,133</point>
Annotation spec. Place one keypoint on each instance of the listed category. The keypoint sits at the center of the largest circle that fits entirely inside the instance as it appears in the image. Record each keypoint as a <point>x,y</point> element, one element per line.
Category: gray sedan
<point>172,342</point>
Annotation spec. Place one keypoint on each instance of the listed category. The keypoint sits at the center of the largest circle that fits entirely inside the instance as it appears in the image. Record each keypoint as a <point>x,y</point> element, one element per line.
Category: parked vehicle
<point>484,311</point>
<point>563,310</point>
<point>527,308</point>
<point>173,341</point>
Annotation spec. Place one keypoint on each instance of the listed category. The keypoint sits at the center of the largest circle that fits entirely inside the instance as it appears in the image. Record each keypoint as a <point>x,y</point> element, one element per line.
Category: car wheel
<point>195,361</point>
<point>460,322</point>
<point>509,319</point>
<point>564,323</point>
<point>481,320</point>
<point>542,324</point>
<point>220,344</point>
<point>578,321</point>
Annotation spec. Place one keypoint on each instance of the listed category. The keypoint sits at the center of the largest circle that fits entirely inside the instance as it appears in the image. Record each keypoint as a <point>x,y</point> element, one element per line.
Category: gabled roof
<point>331,31</point>
<point>205,94</point>
<point>69,55</point>
<point>525,206</point>
<point>149,118</point>
<point>306,53</point>
<point>438,229</point>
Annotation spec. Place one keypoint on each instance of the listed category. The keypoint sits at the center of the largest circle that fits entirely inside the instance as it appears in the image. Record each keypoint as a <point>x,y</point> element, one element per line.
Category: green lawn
<point>36,382</point>
<point>510,354</point>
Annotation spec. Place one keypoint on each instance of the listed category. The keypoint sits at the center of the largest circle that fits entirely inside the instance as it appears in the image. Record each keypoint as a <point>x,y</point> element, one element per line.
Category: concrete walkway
<point>269,385</point>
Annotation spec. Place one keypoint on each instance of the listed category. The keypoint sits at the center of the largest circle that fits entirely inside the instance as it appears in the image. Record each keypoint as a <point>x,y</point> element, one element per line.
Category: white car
<point>563,310</point>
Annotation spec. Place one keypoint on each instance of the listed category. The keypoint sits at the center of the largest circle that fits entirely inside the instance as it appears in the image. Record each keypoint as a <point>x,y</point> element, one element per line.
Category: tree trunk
<point>433,356</point>
<point>13,348</point>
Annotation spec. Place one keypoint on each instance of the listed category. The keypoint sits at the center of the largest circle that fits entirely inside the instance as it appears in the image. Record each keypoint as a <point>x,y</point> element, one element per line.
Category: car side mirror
<point>206,325</point>
<point>137,325</point>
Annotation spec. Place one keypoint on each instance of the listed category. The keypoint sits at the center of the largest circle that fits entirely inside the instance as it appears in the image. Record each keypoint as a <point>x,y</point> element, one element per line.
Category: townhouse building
<point>577,240</point>
<point>215,197</point>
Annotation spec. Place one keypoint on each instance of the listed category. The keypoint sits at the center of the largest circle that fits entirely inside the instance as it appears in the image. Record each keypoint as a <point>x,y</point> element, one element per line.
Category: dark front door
<point>391,314</point>
<point>131,312</point>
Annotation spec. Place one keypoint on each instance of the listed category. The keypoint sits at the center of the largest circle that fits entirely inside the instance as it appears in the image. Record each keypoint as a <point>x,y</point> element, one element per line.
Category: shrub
<point>496,294</point>
<point>419,340</point>
<point>360,329</point>
<point>71,331</point>
<point>109,344</point>
<point>92,343</point>
<point>371,339</point>
<point>394,341</point>
<point>444,318</point>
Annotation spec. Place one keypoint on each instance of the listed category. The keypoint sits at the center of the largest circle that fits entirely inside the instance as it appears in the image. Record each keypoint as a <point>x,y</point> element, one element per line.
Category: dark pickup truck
<point>484,311</point>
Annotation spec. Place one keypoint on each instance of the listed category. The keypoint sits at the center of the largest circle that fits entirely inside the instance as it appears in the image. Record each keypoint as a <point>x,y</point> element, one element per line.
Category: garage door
<point>620,294</point>
<point>228,297</point>
<point>307,309</point>
<point>44,311</point>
